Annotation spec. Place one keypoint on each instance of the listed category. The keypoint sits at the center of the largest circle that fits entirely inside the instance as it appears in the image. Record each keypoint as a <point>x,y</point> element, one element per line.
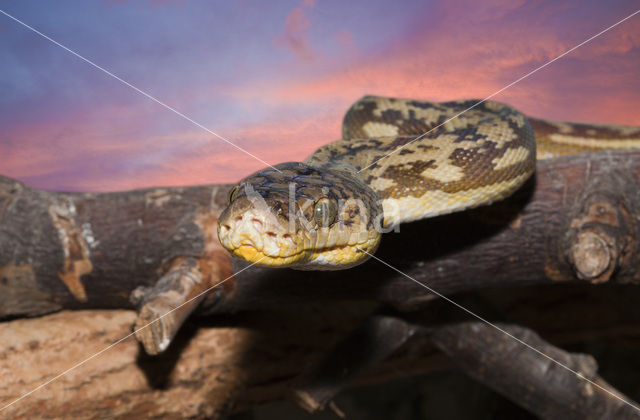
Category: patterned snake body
<point>329,211</point>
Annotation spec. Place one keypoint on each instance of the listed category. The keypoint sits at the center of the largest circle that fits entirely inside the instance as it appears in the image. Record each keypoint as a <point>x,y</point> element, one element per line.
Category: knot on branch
<point>601,232</point>
<point>593,255</point>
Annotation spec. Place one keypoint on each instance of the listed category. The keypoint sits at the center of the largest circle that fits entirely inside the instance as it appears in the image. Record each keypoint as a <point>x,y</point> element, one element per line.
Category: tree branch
<point>530,379</point>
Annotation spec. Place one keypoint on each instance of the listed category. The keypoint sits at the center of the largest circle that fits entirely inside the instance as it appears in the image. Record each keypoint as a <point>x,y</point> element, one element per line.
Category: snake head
<point>300,216</point>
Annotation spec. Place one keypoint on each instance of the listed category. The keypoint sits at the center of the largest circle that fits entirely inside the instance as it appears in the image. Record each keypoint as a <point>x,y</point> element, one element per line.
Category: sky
<point>275,78</point>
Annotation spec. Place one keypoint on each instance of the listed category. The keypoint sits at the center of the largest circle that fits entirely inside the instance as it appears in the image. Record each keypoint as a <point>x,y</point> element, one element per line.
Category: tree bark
<point>575,222</point>
<point>226,364</point>
<point>61,250</point>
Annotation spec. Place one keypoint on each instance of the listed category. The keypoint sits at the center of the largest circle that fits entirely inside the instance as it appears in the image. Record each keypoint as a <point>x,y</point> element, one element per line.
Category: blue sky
<point>275,78</point>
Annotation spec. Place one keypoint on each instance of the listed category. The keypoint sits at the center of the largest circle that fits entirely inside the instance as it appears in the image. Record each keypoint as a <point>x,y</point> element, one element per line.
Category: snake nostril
<point>272,235</point>
<point>239,219</point>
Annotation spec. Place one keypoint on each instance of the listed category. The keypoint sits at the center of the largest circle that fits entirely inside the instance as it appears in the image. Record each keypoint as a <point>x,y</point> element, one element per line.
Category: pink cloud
<point>481,57</point>
<point>215,162</point>
<point>345,39</point>
<point>295,36</point>
<point>92,153</point>
<point>448,56</point>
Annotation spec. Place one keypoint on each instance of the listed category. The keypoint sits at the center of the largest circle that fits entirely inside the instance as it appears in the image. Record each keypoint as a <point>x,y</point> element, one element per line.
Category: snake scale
<point>330,211</point>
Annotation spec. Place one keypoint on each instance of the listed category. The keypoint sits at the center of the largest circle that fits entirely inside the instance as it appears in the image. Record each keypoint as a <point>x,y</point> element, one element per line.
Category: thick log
<point>209,371</point>
<point>227,364</point>
<point>576,220</point>
<point>77,251</point>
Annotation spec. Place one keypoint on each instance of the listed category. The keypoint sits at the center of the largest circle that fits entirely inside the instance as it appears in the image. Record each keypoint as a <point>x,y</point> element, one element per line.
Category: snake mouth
<point>253,255</point>
<point>330,258</point>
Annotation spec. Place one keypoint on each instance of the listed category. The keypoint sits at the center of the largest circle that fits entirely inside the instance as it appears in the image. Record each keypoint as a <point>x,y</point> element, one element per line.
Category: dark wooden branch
<point>92,250</point>
<point>528,378</point>
<point>575,221</point>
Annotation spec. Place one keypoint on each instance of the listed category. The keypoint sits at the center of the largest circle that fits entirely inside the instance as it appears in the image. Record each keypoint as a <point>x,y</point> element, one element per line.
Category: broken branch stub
<point>602,232</point>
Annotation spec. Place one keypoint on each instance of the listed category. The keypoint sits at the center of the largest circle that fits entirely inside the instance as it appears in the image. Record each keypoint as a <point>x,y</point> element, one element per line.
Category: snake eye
<point>233,193</point>
<point>277,208</point>
<point>325,212</point>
